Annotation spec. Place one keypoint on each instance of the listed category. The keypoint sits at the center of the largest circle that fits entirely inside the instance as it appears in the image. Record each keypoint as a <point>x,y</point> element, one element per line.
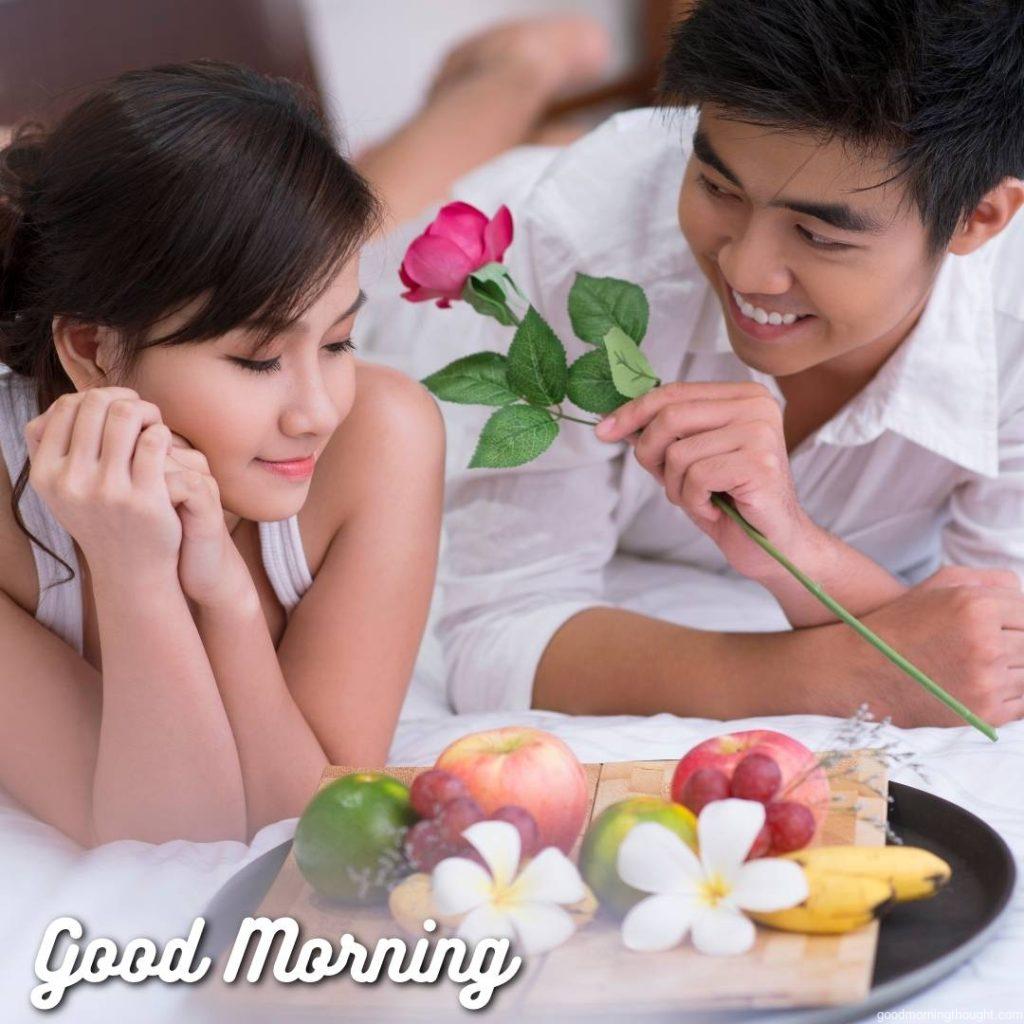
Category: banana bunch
<point>850,886</point>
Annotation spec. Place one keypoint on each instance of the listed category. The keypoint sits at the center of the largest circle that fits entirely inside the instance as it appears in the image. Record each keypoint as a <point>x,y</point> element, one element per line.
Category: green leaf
<point>632,373</point>
<point>590,383</point>
<point>514,435</point>
<point>597,304</point>
<point>479,379</point>
<point>487,297</point>
<point>537,367</point>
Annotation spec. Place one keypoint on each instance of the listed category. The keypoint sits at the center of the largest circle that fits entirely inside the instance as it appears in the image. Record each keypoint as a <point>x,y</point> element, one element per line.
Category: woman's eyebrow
<point>258,346</point>
<point>360,301</point>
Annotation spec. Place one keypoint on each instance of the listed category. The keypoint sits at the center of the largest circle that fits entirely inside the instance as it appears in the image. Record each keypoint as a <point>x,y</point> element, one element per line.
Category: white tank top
<point>60,606</point>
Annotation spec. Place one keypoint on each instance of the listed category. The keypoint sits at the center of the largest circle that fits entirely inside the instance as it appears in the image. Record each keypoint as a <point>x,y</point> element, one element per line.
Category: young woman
<point>218,528</point>
<point>178,293</point>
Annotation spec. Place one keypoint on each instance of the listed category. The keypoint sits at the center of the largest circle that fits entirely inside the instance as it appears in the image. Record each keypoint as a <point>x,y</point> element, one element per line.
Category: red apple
<point>803,780</point>
<point>526,767</point>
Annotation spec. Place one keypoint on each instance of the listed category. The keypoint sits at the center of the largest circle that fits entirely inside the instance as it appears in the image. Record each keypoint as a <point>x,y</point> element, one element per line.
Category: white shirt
<point>923,467</point>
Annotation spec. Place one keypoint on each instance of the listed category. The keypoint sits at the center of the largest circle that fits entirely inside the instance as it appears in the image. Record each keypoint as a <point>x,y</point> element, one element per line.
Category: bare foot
<point>559,54</point>
<point>499,82</point>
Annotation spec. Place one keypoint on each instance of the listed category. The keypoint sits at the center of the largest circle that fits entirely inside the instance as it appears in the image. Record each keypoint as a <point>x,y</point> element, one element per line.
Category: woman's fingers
<point>197,496</point>
<point>53,433</point>
<point>125,420</point>
<point>150,454</point>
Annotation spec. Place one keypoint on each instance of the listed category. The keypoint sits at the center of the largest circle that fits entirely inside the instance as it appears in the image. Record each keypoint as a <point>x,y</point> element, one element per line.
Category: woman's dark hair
<point>938,84</point>
<point>162,186</point>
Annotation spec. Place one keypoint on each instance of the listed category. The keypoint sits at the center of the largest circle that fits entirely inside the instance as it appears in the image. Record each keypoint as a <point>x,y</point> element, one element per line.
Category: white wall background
<point>376,57</point>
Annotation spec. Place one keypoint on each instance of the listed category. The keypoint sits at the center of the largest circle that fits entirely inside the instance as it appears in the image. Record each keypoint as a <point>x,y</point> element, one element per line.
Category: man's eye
<point>273,365</point>
<point>821,243</point>
<point>711,188</point>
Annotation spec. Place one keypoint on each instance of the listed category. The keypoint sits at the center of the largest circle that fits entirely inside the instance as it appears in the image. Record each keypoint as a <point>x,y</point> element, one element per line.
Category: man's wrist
<point>814,551</point>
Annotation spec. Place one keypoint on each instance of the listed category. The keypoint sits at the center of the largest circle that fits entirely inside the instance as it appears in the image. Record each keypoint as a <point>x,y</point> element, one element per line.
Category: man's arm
<point>608,661</point>
<point>964,628</point>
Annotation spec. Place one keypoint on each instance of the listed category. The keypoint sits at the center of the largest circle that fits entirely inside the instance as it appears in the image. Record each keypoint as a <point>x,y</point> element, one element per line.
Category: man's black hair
<point>937,85</point>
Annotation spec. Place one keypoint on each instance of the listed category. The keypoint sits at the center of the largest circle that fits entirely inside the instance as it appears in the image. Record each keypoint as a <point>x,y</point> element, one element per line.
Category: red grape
<point>703,786</point>
<point>432,789</point>
<point>424,846</point>
<point>456,815</point>
<point>525,823</point>
<point>470,852</point>
<point>757,777</point>
<point>792,825</point>
<point>762,843</point>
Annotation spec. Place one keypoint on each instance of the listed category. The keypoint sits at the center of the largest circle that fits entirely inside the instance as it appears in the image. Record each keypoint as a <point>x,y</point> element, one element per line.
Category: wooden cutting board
<point>593,973</point>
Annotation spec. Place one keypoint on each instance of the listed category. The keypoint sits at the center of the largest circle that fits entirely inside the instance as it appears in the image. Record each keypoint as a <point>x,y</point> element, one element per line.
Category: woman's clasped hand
<point>126,487</point>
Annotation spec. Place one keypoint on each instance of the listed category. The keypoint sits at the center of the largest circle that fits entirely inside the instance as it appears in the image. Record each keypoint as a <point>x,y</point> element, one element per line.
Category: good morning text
<point>62,962</point>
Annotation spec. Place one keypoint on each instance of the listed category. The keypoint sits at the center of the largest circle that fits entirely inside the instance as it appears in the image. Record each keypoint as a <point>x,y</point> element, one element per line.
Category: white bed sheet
<point>129,889</point>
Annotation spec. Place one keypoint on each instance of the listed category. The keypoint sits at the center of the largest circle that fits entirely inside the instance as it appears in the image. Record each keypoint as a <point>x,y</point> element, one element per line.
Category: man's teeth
<point>762,316</point>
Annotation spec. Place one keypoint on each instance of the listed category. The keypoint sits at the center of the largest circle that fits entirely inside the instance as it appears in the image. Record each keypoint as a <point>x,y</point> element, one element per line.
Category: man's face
<point>777,219</point>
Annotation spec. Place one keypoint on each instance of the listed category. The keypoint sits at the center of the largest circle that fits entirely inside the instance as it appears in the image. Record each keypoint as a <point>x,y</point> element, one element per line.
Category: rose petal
<point>499,844</point>
<point>438,264</point>
<point>726,830</point>
<point>540,926</point>
<point>458,885</point>
<point>485,922</point>
<point>464,225</point>
<point>658,922</point>
<point>654,859</point>
<point>497,236</point>
<point>722,931</point>
<point>769,884</point>
<point>549,878</point>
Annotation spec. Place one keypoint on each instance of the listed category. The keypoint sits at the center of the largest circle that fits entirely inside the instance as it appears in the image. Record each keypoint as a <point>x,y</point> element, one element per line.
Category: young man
<point>827,240</point>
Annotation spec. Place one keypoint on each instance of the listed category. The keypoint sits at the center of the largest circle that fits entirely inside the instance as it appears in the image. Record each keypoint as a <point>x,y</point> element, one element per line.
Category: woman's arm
<point>166,766</point>
<point>344,662</point>
<point>144,751</point>
<point>281,758</point>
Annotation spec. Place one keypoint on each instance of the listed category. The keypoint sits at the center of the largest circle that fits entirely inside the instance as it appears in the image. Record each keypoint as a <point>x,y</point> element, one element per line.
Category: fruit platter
<point>760,873</point>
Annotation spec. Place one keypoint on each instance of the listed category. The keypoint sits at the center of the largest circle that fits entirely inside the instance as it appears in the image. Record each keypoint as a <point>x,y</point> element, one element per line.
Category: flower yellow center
<point>714,888</point>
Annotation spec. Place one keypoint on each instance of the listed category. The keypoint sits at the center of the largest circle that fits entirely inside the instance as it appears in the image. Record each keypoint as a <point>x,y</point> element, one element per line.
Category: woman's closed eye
<point>272,365</point>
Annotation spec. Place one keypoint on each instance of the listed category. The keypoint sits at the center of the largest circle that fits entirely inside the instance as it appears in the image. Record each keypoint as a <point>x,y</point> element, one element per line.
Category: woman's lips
<point>296,469</point>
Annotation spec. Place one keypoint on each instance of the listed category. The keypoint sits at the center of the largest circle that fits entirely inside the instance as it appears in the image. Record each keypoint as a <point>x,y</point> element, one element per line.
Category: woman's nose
<point>311,410</point>
<point>752,263</point>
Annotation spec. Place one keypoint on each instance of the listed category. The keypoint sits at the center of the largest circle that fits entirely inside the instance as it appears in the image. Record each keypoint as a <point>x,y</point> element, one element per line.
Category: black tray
<point>918,943</point>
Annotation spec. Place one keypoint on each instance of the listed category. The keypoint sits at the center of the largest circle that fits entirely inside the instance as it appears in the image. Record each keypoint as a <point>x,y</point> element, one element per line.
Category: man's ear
<point>86,351</point>
<point>989,217</point>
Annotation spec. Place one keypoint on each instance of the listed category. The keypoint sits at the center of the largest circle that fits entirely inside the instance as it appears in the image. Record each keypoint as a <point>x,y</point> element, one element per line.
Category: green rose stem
<point>834,606</point>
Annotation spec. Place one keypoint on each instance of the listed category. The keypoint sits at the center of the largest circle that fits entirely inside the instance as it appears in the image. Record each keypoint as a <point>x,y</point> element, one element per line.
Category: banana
<point>835,903</point>
<point>914,873</point>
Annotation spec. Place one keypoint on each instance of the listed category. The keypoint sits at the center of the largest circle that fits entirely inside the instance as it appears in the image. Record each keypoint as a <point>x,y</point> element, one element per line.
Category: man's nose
<point>752,263</point>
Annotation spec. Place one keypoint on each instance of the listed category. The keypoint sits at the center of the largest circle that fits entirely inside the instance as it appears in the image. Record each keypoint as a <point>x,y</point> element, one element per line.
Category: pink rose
<point>460,241</point>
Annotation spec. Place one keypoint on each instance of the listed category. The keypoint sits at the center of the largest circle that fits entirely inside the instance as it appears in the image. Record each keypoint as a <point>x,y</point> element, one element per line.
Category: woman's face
<point>285,403</point>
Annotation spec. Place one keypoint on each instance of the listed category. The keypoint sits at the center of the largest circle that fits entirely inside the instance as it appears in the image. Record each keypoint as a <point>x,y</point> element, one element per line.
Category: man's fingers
<point>637,413</point>
<point>685,421</point>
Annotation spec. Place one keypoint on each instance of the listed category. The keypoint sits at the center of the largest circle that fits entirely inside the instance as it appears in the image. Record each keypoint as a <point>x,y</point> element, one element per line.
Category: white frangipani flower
<point>707,895</point>
<point>504,902</point>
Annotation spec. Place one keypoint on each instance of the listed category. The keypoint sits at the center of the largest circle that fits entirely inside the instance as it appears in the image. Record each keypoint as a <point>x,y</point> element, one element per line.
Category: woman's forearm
<point>167,765</point>
<point>281,758</point>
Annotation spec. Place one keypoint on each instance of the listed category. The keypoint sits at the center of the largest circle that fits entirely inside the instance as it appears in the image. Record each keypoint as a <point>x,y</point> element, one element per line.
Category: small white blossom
<point>504,902</point>
<point>705,896</point>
